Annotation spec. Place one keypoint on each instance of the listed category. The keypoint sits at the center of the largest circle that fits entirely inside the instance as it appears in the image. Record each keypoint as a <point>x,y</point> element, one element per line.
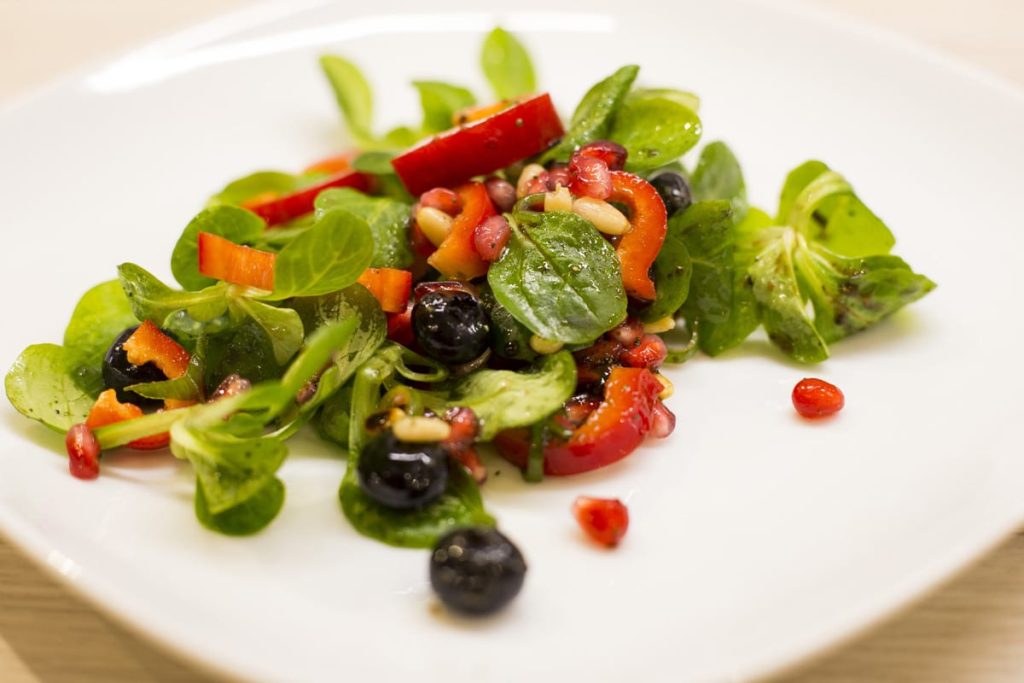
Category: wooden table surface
<point>970,631</point>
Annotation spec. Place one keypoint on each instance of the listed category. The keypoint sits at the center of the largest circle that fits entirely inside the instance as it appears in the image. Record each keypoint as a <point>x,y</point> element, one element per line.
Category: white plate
<point>757,538</point>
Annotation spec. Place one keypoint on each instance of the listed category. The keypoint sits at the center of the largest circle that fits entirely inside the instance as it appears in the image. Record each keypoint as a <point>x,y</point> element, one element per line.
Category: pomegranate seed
<point>83,452</point>
<point>649,353</point>
<point>814,397</point>
<point>663,421</point>
<point>559,175</point>
<point>628,333</point>
<point>443,199</point>
<point>232,385</point>
<point>604,519</point>
<point>502,194</point>
<point>490,237</point>
<point>590,177</point>
<point>611,153</point>
<point>537,184</point>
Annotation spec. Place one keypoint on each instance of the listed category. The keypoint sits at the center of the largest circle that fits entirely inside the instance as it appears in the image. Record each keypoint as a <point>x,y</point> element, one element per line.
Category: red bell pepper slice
<point>649,223</point>
<point>222,259</point>
<point>148,344</point>
<point>108,410</point>
<point>480,147</point>
<point>610,433</point>
<point>290,206</point>
<point>390,286</point>
<point>457,257</point>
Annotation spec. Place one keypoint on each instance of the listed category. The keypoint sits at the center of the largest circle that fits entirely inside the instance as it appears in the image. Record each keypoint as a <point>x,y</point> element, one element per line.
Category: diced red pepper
<point>640,246</point>
<point>611,432</point>
<point>108,410</point>
<point>649,351</point>
<point>480,147</point>
<point>604,519</point>
<point>148,344</point>
<point>390,286</point>
<point>457,257</point>
<point>291,206</point>
<point>400,327</point>
<point>222,259</point>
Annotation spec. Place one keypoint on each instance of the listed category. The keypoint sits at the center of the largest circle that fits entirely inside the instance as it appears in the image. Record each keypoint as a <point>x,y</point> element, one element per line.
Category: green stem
<point>534,471</point>
<point>121,433</point>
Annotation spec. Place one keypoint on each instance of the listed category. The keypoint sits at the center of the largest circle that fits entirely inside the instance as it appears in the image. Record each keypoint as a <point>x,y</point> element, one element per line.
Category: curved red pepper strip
<point>457,258</point>
<point>640,246</point>
<point>609,434</point>
<point>291,206</point>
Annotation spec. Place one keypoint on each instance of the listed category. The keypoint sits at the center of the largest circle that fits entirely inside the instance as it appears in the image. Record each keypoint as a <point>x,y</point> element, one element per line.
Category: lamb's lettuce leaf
<point>507,65</point>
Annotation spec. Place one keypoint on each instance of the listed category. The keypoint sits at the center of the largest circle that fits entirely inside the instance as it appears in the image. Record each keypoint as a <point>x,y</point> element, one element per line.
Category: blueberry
<point>451,326</point>
<point>402,475</point>
<point>674,191</point>
<point>476,570</point>
<point>118,373</point>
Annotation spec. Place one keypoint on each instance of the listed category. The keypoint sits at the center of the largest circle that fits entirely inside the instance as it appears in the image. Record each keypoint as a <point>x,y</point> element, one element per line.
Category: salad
<point>493,278</point>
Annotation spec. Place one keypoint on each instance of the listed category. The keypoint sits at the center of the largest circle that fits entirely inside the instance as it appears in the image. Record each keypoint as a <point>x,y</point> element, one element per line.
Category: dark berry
<point>118,373</point>
<point>402,475</point>
<point>674,190</point>
<point>451,326</point>
<point>476,570</point>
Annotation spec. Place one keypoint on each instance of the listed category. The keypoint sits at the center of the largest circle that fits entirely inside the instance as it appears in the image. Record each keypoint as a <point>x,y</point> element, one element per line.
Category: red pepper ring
<point>611,432</point>
<point>649,223</point>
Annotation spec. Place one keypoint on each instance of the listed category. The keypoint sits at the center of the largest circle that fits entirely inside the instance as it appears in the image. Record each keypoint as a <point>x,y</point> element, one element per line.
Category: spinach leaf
<point>388,220</point>
<point>593,117</point>
<point>688,99</point>
<point>460,505</point>
<point>152,300</point>
<point>352,303</point>
<point>507,65</point>
<point>253,185</point>
<point>377,162</point>
<point>440,102</point>
<point>40,387</point>
<point>354,96</point>
<point>246,518</point>
<point>502,399</point>
<point>559,277</point>
<point>781,303</point>
<point>244,350</point>
<point>822,205</point>
<point>332,422</point>
<point>99,317</point>
<point>231,222</point>
<point>282,326</point>
<point>509,338</point>
<point>850,295</point>
<point>326,258</point>
<point>654,130</point>
<point>671,273</point>
<point>718,176</point>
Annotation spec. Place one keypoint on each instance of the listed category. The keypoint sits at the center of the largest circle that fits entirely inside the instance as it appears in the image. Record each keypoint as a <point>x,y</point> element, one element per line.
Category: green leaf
<point>333,420</point>
<point>326,258</point>
<point>850,295</point>
<point>460,505</point>
<point>440,102</point>
<point>262,182</point>
<point>99,317</point>
<point>822,205</point>
<point>671,273</point>
<point>654,130</point>
<point>377,162</point>
<point>244,350</point>
<point>688,99</point>
<point>152,300</point>
<point>233,223</point>
<point>719,176</point>
<point>246,518</point>
<point>282,326</point>
<point>502,399</point>
<point>321,348</point>
<point>400,137</point>
<point>40,387</point>
<point>509,338</point>
<point>559,277</point>
<point>593,117</point>
<point>353,93</point>
<point>783,313</point>
<point>507,65</point>
<point>353,303</point>
<point>388,220</point>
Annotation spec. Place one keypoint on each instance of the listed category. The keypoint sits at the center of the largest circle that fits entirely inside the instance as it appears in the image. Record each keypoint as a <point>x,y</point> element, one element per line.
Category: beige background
<point>972,630</point>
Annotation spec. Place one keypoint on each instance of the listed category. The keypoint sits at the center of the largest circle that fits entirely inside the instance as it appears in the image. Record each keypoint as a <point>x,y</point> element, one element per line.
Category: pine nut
<point>544,347</point>
<point>420,429</point>
<point>559,200</point>
<point>661,325</point>
<point>529,173</point>
<point>434,223</point>
<point>669,387</point>
<point>603,215</point>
